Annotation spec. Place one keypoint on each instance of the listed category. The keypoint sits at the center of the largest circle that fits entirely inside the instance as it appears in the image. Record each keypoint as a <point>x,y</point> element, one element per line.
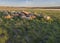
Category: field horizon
<point>20,8</point>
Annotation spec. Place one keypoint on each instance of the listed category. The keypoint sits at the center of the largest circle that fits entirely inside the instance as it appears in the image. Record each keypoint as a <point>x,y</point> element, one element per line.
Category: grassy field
<point>38,30</point>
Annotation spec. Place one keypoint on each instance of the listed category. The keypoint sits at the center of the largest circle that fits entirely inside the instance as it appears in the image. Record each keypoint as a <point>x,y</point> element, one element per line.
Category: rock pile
<point>24,15</point>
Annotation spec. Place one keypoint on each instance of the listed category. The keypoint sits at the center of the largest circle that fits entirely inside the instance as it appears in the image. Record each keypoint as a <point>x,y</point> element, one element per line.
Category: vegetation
<point>17,30</point>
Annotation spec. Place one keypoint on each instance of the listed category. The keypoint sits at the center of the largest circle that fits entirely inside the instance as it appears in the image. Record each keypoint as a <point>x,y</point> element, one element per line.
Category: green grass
<point>31,31</point>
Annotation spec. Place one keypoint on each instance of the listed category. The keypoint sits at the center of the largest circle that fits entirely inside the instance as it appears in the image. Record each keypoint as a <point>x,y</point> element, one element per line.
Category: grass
<point>31,31</point>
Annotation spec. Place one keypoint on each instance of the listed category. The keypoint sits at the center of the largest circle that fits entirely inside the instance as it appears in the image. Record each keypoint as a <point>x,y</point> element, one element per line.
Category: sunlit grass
<point>19,30</point>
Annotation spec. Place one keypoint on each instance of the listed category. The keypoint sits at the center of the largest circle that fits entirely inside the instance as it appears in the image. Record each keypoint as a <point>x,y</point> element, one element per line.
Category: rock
<point>25,12</point>
<point>23,16</point>
<point>33,17</point>
<point>47,17</point>
<point>8,17</point>
<point>28,18</point>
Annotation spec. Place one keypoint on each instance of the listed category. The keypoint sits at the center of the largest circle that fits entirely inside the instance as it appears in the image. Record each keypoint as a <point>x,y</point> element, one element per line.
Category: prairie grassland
<point>38,30</point>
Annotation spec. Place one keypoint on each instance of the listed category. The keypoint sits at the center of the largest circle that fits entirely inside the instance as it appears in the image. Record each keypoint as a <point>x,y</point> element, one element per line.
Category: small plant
<point>3,35</point>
